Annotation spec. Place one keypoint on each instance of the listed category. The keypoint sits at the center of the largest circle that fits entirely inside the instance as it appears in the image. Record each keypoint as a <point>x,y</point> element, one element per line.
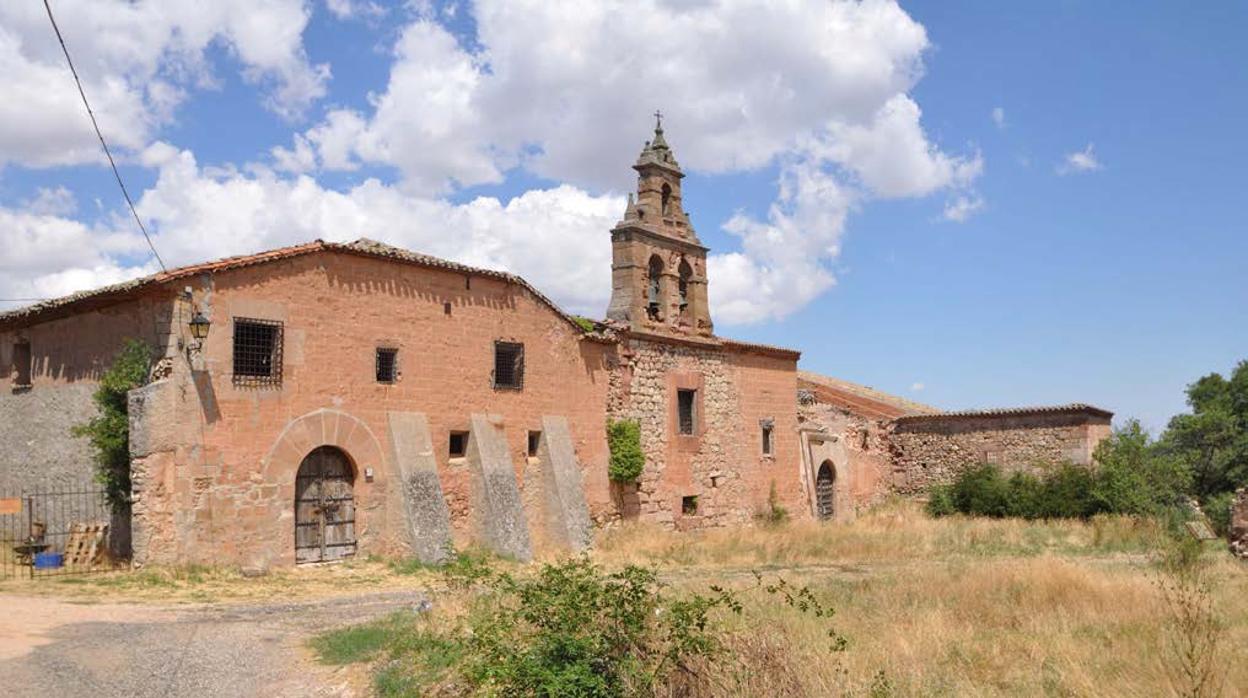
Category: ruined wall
<point>68,355</point>
<point>225,492</point>
<point>1239,523</point>
<point>721,463</point>
<point>865,450</point>
<point>929,451</point>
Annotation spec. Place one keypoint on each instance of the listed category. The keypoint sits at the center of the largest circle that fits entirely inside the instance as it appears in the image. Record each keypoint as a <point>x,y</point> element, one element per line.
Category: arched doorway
<point>825,493</point>
<point>324,507</point>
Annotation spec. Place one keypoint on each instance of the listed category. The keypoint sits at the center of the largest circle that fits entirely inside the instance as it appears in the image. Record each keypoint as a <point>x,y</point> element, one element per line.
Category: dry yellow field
<point>955,607</point>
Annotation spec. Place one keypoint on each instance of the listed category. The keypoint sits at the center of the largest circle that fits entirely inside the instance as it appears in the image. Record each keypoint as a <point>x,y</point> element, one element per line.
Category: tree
<point>1213,438</point>
<point>109,430</point>
<point>1136,476</point>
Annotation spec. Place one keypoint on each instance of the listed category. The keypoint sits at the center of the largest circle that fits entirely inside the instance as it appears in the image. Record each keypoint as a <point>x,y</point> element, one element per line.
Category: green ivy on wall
<point>624,442</point>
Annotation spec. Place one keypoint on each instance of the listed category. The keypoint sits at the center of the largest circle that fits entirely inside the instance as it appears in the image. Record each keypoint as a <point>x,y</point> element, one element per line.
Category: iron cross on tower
<point>658,119</point>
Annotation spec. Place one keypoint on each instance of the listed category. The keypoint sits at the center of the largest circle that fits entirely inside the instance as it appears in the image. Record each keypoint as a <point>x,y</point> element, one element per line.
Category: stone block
<point>428,521</point>
<point>563,497</point>
<point>498,510</point>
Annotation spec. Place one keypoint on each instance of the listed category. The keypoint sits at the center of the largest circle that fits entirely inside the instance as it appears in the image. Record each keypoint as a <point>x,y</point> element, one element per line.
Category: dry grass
<point>954,607</point>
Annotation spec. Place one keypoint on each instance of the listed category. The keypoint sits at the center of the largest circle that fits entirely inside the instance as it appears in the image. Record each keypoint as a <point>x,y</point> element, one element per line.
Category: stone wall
<point>721,463</point>
<point>932,450</point>
<point>1239,523</point>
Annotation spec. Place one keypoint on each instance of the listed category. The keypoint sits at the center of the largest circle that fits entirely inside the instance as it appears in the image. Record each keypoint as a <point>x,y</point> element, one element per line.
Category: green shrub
<point>1023,496</point>
<point>980,491</point>
<point>775,514</point>
<point>1218,509</point>
<point>584,323</point>
<point>940,501</point>
<point>624,443</point>
<point>1066,493</point>
<point>109,430</point>
<point>1134,476</point>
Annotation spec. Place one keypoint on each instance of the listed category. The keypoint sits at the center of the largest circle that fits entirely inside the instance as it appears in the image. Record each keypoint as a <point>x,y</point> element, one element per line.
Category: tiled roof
<point>763,348</point>
<point>1072,408</point>
<point>860,399</point>
<point>363,246</point>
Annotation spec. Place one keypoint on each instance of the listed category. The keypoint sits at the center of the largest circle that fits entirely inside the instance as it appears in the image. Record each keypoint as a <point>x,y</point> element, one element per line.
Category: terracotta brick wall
<point>225,502</point>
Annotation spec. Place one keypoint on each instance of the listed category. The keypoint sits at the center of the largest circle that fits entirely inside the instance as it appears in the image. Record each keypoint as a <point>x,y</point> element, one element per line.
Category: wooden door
<point>825,493</point>
<point>324,507</point>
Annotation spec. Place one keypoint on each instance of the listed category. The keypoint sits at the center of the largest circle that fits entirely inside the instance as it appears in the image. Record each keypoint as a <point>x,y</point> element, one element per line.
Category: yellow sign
<point>12,505</point>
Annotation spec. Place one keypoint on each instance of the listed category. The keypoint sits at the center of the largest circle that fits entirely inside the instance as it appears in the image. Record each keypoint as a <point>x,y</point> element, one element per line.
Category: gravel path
<point>50,647</point>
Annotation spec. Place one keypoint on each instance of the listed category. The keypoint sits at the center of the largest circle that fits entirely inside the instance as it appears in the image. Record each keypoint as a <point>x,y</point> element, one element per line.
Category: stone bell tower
<point>658,266</point>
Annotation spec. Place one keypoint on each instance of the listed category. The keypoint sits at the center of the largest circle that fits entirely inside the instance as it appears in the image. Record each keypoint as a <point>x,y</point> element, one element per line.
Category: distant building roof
<point>86,300</point>
<point>1072,408</point>
<point>860,399</point>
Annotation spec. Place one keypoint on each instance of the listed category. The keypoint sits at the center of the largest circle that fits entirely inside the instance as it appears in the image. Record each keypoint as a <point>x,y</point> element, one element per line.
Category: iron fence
<point>59,530</point>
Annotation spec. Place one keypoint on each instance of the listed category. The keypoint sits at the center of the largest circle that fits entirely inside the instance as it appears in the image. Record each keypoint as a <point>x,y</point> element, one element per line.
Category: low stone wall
<point>932,450</point>
<point>1239,524</point>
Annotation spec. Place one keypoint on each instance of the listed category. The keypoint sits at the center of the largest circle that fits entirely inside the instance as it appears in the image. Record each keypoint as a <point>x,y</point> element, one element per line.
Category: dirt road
<point>51,647</point>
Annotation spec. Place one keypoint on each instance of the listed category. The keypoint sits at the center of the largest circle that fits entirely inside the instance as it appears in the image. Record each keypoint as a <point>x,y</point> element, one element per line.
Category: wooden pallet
<point>84,545</point>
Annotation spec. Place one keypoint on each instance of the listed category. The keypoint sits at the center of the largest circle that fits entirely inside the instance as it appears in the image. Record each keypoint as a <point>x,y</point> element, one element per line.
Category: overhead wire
<point>100,135</point>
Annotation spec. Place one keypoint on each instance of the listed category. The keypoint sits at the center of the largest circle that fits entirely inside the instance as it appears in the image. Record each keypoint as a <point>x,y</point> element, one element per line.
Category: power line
<point>100,135</point>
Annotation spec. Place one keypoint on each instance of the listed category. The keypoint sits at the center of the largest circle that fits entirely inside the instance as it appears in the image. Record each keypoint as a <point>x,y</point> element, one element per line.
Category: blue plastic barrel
<point>48,561</point>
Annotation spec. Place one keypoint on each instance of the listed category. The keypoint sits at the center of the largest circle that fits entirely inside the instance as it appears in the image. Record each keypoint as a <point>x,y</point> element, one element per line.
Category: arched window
<point>825,491</point>
<point>686,273</point>
<point>667,200</point>
<point>654,287</point>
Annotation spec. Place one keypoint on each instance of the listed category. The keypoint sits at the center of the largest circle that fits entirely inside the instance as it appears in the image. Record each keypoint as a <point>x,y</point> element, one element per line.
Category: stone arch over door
<point>303,435</point>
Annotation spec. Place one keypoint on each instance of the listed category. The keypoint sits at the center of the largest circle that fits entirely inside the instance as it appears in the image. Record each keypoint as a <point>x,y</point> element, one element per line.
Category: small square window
<point>257,352</point>
<point>22,365</point>
<point>508,365</point>
<point>767,440</point>
<point>685,402</point>
<point>458,444</point>
<point>387,365</point>
<point>689,504</point>
<point>535,438</point>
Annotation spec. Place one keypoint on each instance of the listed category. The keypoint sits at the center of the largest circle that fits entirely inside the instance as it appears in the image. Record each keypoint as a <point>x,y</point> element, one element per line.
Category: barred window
<point>387,365</point>
<point>257,352</point>
<point>685,400</point>
<point>508,365</point>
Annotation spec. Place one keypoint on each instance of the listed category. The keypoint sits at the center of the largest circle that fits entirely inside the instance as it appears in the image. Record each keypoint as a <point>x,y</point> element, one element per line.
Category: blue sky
<point>1115,278</point>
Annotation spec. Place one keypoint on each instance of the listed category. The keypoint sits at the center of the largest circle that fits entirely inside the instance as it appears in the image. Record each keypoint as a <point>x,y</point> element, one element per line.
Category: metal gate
<point>824,491</point>
<point>324,507</point>
<point>59,529</point>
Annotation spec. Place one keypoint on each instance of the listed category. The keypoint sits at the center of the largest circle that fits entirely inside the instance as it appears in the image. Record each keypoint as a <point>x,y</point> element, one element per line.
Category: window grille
<point>535,437</point>
<point>685,404</point>
<point>387,365</point>
<point>257,352</point>
<point>458,444</point>
<point>508,365</point>
<point>22,365</point>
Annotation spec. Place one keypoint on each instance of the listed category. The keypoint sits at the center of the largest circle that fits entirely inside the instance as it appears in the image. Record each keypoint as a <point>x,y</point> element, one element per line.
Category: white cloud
<point>917,387</point>
<point>51,202</point>
<point>962,207</point>
<point>819,87</point>
<point>137,62</point>
<point>998,117</point>
<point>1080,161</point>
<point>354,9</point>
<point>196,213</point>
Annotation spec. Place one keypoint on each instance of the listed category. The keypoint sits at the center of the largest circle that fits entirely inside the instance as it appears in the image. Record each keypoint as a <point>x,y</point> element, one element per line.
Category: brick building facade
<point>358,398</point>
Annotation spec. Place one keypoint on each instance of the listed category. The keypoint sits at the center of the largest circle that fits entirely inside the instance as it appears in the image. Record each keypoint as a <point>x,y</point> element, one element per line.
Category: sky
<point>969,204</point>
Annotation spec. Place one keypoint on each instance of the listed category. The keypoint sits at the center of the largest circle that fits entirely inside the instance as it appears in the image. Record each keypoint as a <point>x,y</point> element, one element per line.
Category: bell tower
<point>658,265</point>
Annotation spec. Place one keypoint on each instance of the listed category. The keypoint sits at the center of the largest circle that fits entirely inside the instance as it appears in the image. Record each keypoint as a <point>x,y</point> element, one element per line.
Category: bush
<point>624,443</point>
<point>1134,476</point>
<point>980,491</point>
<point>570,629</point>
<point>1066,493</point>
<point>940,501</point>
<point>109,430</point>
<point>1218,509</point>
<point>775,514</point>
